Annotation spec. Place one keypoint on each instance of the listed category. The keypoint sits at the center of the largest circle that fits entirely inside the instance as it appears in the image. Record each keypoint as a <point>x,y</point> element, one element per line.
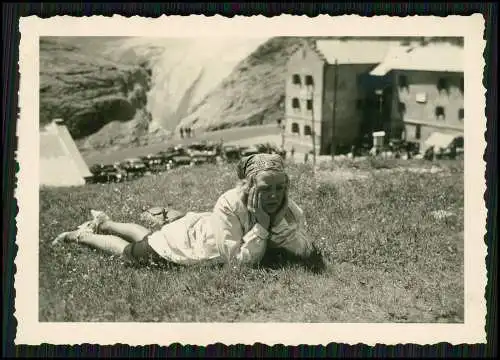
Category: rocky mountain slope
<point>169,75</point>
<point>253,94</point>
<point>117,92</point>
<point>102,102</point>
<point>184,71</point>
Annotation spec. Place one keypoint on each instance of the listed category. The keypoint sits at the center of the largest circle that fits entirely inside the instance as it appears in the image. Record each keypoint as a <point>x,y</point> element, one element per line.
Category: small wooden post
<point>313,132</point>
<point>335,85</point>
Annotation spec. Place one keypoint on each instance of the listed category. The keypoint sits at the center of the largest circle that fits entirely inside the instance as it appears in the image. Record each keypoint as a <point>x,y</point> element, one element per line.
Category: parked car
<point>231,153</point>
<point>180,160</point>
<point>167,154</point>
<point>105,173</point>
<point>201,153</point>
<point>455,150</point>
<point>154,162</point>
<point>248,150</point>
<point>270,149</point>
<point>197,146</point>
<point>134,167</point>
<point>175,156</point>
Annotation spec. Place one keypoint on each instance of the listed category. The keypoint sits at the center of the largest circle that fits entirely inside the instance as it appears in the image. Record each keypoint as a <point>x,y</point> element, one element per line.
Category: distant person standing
<point>453,152</point>
<point>292,152</point>
<point>429,154</point>
<point>353,151</point>
<point>182,133</point>
<point>220,147</point>
<point>408,151</point>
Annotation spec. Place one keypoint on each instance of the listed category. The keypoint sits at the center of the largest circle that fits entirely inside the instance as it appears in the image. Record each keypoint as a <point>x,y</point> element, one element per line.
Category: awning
<point>438,140</point>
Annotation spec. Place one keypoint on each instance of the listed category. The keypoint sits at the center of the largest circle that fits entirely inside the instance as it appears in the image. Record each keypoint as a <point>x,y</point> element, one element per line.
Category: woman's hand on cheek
<point>251,200</point>
<point>278,217</point>
<point>260,214</point>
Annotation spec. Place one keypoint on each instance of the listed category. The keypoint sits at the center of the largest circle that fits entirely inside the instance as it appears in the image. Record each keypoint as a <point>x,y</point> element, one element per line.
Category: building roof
<point>61,163</point>
<point>353,51</point>
<point>432,57</point>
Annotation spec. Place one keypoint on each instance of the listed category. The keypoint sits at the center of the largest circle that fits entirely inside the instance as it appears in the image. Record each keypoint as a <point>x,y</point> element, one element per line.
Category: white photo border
<point>32,332</point>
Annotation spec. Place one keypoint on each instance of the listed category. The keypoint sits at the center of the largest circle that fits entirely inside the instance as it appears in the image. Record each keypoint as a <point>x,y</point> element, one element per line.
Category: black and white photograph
<point>314,178</point>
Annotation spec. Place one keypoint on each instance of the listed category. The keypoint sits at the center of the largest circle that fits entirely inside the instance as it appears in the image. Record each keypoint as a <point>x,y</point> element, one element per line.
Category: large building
<point>346,90</point>
<point>426,90</point>
<point>322,90</point>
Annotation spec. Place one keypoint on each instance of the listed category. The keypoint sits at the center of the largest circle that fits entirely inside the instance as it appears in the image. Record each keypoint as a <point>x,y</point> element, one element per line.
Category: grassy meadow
<point>389,259</point>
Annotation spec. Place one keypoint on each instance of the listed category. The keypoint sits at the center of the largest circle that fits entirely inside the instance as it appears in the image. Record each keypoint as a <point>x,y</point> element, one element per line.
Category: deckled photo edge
<point>30,331</point>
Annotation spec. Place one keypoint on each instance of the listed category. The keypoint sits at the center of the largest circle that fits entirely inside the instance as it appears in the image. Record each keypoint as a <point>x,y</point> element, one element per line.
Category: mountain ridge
<point>116,92</point>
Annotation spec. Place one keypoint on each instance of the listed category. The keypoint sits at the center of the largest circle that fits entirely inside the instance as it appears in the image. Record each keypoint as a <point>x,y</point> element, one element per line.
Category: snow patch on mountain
<point>184,70</point>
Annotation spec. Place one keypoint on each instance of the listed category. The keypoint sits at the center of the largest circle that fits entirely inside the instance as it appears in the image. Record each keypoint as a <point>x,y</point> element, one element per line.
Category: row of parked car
<point>175,156</point>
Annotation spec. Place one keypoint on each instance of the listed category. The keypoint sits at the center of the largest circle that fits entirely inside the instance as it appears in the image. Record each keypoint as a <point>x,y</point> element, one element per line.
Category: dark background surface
<point>10,37</point>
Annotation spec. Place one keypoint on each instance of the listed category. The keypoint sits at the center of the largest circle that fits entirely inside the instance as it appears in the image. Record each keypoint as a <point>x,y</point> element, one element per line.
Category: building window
<point>295,103</point>
<point>418,132</point>
<point>462,85</point>
<point>402,108</point>
<point>461,114</point>
<point>421,98</point>
<point>439,112</point>
<point>307,130</point>
<point>442,85</point>
<point>309,80</point>
<point>296,79</point>
<point>295,128</point>
<point>309,104</point>
<point>403,82</point>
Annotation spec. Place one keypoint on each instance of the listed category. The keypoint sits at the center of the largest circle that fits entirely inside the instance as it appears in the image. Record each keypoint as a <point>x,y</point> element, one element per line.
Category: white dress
<point>228,234</point>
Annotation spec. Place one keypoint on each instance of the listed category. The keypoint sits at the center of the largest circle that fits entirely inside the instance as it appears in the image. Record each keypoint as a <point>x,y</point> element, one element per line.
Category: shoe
<point>61,237</point>
<point>74,236</point>
<point>87,225</point>
<point>98,217</point>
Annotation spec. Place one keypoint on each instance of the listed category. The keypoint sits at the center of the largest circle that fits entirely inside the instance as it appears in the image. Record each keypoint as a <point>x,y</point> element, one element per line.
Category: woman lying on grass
<point>253,223</point>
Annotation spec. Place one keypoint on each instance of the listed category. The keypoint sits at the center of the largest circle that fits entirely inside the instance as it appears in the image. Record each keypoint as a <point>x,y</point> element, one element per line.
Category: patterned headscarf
<point>256,163</point>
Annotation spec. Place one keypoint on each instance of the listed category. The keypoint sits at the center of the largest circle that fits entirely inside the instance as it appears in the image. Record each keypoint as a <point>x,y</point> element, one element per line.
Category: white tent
<point>61,163</point>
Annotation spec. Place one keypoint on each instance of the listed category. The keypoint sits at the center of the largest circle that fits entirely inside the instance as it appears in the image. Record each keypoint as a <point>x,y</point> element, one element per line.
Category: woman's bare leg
<point>108,243</point>
<point>128,231</point>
